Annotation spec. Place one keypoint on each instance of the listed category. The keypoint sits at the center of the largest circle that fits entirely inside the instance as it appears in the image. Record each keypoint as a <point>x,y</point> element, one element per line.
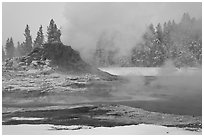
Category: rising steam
<point>126,22</point>
<point>183,82</point>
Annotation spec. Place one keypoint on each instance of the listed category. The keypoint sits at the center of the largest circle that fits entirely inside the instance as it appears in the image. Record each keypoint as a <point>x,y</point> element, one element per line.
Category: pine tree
<point>20,49</point>
<point>159,33</point>
<point>169,25</point>
<point>9,48</point>
<point>28,40</point>
<point>26,46</point>
<point>3,54</point>
<point>186,18</point>
<point>173,25</point>
<point>53,32</point>
<point>40,38</point>
<point>17,50</point>
<point>144,53</point>
<point>167,39</point>
<point>180,42</point>
<point>149,37</point>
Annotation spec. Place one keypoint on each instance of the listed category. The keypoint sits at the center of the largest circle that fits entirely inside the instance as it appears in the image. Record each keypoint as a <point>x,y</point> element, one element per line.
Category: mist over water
<point>183,80</point>
<point>169,80</point>
<point>168,89</point>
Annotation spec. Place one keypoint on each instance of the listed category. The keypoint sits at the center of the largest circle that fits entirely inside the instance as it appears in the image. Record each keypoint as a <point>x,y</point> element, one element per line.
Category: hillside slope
<point>60,58</point>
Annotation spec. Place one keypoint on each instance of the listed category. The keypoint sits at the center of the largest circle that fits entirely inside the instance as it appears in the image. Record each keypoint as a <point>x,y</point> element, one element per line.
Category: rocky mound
<point>58,57</point>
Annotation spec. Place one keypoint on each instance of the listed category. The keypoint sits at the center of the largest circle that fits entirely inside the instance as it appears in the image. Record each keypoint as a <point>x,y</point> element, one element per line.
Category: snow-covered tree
<point>159,33</point>
<point>180,42</point>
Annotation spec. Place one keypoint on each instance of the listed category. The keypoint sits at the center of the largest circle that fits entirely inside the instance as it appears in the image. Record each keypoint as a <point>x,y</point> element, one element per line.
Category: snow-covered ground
<point>135,88</point>
<point>124,71</point>
<point>147,71</point>
<point>26,118</point>
<point>142,129</point>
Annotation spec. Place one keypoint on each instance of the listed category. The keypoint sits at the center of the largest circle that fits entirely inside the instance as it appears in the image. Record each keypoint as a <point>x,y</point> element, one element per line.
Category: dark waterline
<point>182,101</point>
<point>179,106</point>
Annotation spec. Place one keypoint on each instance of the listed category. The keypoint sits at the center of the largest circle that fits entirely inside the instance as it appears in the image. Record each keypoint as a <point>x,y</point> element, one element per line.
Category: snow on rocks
<point>73,127</point>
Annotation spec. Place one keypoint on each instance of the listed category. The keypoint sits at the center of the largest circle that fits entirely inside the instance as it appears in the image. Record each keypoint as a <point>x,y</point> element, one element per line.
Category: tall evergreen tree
<point>40,38</point>
<point>3,54</point>
<point>26,46</point>
<point>17,50</point>
<point>28,39</point>
<point>173,25</point>
<point>159,33</point>
<point>144,53</point>
<point>167,42</point>
<point>186,19</point>
<point>53,32</point>
<point>9,48</point>
<point>20,49</point>
<point>149,37</point>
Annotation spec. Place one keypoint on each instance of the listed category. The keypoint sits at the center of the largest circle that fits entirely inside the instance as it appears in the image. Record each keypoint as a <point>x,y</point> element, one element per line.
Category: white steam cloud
<point>126,22</point>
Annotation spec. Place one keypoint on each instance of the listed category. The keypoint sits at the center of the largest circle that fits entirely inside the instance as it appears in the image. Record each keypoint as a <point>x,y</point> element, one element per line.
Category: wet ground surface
<point>100,115</point>
<point>34,95</point>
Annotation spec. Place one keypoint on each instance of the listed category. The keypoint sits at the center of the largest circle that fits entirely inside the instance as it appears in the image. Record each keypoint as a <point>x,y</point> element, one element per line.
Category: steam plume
<point>125,21</point>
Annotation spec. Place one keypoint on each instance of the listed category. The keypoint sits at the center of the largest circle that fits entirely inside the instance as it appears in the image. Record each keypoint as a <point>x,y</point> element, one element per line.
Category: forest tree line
<point>180,42</point>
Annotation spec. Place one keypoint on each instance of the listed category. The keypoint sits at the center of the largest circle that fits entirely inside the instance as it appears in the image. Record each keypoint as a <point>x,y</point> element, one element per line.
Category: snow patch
<point>26,118</point>
<point>142,129</point>
<point>148,71</point>
<point>73,127</point>
<point>125,71</point>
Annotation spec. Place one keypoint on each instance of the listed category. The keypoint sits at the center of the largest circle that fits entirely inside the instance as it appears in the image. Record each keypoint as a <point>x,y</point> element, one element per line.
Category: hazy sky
<point>84,23</point>
<point>17,15</point>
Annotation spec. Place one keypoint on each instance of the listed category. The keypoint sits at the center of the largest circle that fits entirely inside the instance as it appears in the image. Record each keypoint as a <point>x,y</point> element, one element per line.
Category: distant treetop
<point>53,33</point>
